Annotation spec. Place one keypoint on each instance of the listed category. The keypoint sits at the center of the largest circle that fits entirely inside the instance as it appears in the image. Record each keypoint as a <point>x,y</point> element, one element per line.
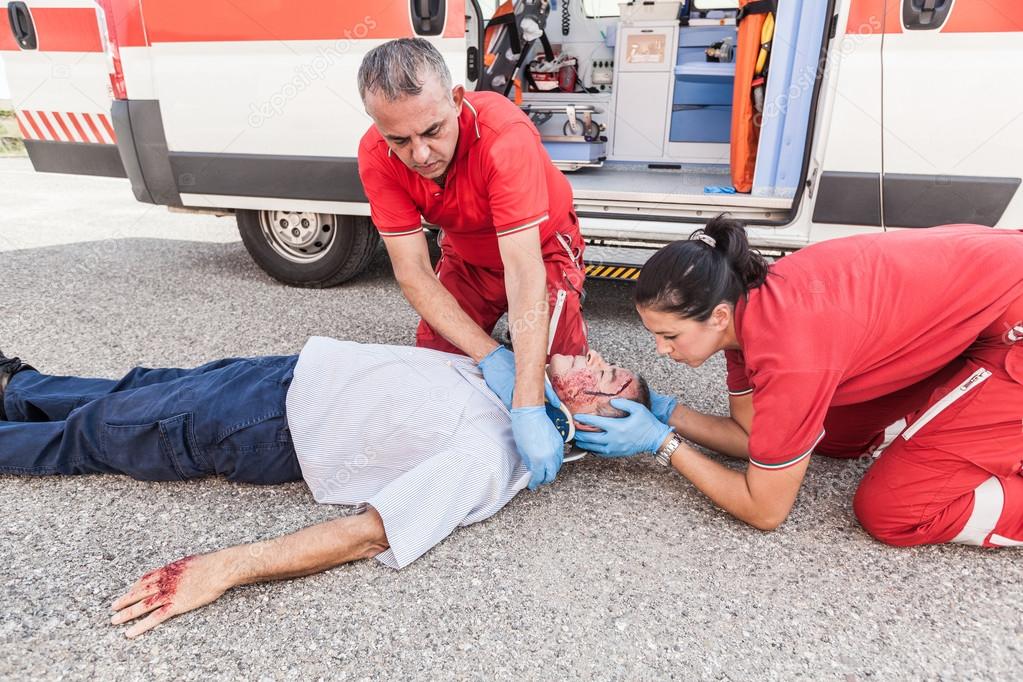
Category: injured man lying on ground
<point>413,436</point>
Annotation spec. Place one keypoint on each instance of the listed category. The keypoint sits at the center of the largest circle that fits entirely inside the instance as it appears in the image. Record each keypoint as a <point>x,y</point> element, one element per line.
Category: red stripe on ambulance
<point>124,22</point>
<point>63,128</point>
<point>176,21</point>
<point>874,17</point>
<point>67,29</point>
<point>990,16</point>
<point>106,126</point>
<point>7,41</point>
<point>93,128</point>
<point>78,127</point>
<point>21,127</point>
<point>41,115</point>
<point>52,126</point>
<point>32,124</point>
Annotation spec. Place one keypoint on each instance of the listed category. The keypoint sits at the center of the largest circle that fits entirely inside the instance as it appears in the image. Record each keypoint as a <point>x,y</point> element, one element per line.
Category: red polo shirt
<point>849,320</point>
<point>500,181</point>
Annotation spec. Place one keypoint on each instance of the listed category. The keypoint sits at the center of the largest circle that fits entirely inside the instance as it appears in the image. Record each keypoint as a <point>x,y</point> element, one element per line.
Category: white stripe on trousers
<point>988,502</point>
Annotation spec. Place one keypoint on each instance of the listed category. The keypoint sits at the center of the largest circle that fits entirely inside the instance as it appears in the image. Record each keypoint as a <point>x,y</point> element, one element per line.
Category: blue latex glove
<point>639,432</point>
<point>499,372</point>
<point>662,406</point>
<point>539,444</point>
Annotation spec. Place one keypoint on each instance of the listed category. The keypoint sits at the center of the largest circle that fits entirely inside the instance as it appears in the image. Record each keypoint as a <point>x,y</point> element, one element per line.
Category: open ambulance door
<point>54,54</point>
<point>953,129</point>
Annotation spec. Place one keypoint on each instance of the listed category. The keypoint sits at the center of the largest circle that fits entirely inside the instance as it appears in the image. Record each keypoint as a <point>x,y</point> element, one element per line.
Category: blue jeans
<point>226,418</point>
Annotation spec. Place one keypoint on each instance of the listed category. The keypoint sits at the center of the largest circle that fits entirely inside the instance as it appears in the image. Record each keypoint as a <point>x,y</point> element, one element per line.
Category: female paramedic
<point>825,349</point>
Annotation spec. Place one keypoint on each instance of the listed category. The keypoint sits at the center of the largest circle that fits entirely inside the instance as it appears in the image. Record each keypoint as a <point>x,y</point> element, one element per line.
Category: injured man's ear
<point>587,384</point>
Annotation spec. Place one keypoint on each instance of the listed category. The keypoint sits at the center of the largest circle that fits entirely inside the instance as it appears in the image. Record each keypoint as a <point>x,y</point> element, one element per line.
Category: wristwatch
<point>668,449</point>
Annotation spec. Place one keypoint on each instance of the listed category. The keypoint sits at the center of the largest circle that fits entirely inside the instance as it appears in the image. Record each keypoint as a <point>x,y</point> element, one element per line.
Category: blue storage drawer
<point>700,123</point>
<point>719,94</point>
<point>704,83</point>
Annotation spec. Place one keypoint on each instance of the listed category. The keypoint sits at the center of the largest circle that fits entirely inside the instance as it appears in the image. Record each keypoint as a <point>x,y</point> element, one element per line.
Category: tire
<point>305,249</point>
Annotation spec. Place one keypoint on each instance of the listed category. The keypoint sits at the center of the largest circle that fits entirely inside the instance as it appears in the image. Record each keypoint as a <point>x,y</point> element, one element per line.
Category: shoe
<point>8,368</point>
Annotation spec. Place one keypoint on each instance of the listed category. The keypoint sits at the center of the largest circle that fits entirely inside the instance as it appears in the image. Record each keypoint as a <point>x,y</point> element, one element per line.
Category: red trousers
<point>481,294</point>
<point>954,473</point>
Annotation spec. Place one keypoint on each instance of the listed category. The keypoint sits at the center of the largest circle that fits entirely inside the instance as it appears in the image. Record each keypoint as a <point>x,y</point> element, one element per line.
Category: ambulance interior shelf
<point>581,143</point>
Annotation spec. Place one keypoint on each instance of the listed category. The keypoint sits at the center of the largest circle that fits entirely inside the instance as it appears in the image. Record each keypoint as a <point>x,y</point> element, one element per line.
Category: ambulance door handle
<point>925,15</point>
<point>428,17</point>
<point>22,27</point>
<point>927,12</point>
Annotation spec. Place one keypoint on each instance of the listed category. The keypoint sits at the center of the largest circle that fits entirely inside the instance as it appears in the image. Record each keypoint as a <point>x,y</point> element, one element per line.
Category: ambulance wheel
<point>307,249</point>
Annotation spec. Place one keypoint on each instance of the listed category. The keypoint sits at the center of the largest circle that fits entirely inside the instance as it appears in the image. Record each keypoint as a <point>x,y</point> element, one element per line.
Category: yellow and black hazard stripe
<point>619,272</point>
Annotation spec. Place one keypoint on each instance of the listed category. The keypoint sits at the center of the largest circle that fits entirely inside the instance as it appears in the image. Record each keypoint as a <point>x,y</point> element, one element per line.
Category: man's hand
<point>178,587</point>
<point>639,432</point>
<point>539,444</point>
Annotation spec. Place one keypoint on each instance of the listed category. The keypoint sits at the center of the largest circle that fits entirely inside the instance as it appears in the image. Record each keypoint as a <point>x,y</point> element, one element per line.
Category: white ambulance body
<point>878,114</point>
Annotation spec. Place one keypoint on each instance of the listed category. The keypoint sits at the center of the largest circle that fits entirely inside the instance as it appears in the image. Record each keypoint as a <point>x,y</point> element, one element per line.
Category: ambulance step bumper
<point>616,263</point>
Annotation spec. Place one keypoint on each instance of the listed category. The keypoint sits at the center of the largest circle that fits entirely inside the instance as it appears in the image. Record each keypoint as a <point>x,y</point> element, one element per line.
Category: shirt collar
<point>468,128</point>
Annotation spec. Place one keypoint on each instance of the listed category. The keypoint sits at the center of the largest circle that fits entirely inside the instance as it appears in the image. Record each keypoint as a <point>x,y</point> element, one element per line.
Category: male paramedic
<point>473,164</point>
<point>829,347</point>
<point>413,435</point>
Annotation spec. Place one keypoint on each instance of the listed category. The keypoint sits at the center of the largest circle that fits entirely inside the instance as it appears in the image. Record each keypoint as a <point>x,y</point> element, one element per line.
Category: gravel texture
<point>617,571</point>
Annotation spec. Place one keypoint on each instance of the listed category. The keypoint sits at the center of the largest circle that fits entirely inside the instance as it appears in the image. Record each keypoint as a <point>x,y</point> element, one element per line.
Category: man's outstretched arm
<point>195,581</point>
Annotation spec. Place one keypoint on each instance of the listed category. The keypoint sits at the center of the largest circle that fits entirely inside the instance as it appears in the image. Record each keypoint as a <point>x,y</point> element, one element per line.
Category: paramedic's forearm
<point>720,434</point>
<point>438,307</point>
<point>310,550</point>
<point>759,497</point>
<point>528,317</point>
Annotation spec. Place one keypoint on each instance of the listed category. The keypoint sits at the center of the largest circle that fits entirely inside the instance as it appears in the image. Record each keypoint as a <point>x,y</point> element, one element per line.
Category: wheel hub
<point>299,236</point>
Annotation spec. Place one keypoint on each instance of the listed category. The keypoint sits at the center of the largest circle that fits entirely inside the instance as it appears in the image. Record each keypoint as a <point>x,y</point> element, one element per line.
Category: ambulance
<point>808,119</point>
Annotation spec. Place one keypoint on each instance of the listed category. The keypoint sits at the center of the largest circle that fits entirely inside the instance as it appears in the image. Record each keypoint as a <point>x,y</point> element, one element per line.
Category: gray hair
<point>397,68</point>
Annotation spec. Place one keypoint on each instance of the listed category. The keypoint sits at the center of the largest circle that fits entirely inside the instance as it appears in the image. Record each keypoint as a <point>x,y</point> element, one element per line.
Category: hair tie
<point>706,239</point>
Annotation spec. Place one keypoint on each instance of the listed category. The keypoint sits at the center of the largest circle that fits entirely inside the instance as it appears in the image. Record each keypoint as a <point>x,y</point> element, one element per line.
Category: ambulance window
<point>600,8</point>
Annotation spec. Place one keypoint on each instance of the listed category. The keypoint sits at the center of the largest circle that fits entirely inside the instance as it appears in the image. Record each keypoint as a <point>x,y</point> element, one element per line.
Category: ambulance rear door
<point>953,113</point>
<point>259,101</point>
<point>54,54</point>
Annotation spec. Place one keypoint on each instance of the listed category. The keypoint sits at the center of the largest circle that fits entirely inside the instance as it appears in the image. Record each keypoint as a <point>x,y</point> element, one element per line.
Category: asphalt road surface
<point>618,570</point>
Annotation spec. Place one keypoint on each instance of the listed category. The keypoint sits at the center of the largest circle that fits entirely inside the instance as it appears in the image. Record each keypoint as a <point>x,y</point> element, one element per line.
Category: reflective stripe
<point>988,500</point>
<point>401,234</point>
<point>747,391</point>
<point>972,382</point>
<point>45,118</point>
<point>519,228</point>
<point>890,434</point>
<point>568,248</point>
<point>1004,541</point>
<point>794,460</point>
<point>475,117</point>
<point>559,305</point>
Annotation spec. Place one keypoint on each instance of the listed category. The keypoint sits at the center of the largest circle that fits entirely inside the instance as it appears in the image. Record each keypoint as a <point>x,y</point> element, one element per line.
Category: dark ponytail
<point>691,277</point>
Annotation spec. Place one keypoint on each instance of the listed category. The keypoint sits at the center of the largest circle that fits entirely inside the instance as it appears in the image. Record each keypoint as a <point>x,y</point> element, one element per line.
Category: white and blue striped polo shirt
<point>414,432</point>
